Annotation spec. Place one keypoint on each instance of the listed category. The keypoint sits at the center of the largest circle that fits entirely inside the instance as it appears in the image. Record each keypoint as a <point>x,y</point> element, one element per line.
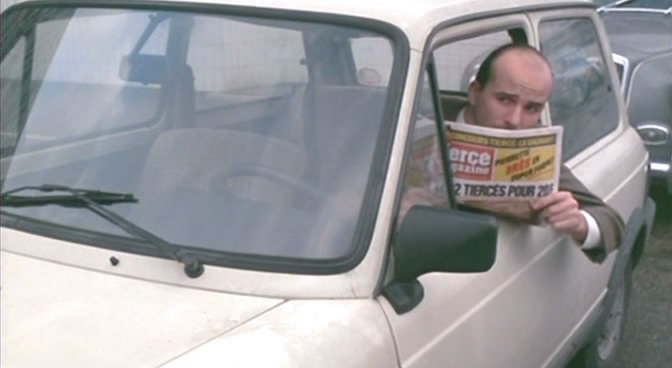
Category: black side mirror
<point>148,69</point>
<point>439,240</point>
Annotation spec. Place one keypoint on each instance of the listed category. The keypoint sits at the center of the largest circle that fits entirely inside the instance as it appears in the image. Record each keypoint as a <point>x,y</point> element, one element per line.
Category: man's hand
<point>561,211</point>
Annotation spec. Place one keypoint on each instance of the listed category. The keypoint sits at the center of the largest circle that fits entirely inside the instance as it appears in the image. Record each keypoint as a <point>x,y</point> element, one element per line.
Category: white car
<point>217,183</point>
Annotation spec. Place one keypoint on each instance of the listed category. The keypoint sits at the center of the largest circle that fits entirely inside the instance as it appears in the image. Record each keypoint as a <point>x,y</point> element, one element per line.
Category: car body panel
<point>153,269</point>
<point>465,320</point>
<point>304,333</point>
<point>128,321</point>
<point>140,323</point>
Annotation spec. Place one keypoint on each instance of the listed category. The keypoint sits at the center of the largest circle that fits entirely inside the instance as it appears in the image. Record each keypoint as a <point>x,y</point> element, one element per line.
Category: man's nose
<point>515,117</point>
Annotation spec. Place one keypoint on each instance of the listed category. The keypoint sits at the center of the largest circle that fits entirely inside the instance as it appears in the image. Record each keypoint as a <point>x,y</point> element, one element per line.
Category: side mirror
<point>148,69</point>
<point>439,240</point>
<point>444,240</point>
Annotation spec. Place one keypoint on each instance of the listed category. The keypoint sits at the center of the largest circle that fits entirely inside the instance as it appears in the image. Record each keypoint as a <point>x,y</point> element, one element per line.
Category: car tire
<point>601,352</point>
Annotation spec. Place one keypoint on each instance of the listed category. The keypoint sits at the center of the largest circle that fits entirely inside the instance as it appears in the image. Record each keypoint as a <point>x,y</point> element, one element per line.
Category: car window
<point>424,181</point>
<point>372,57</point>
<point>583,100</point>
<point>259,160</point>
<point>64,71</point>
<point>458,61</point>
<point>226,64</point>
<point>10,75</point>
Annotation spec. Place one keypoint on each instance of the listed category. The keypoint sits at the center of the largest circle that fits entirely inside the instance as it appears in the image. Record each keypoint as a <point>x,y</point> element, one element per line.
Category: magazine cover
<point>494,164</point>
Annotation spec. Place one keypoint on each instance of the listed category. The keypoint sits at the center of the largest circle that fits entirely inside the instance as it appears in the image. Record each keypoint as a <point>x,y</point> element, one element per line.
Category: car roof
<point>415,17</point>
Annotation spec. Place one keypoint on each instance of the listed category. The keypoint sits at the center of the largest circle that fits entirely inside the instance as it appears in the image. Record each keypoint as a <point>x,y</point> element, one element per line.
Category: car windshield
<point>238,135</point>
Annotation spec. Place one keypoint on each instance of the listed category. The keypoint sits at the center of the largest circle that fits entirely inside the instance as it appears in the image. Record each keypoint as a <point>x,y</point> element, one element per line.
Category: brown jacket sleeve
<point>608,220</point>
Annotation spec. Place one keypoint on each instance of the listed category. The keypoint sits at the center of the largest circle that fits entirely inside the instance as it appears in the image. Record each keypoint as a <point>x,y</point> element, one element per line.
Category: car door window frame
<point>624,62</point>
<point>452,33</point>
<point>448,33</point>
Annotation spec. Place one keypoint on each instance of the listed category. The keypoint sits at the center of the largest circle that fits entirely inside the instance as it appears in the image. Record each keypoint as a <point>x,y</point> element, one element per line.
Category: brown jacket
<point>609,221</point>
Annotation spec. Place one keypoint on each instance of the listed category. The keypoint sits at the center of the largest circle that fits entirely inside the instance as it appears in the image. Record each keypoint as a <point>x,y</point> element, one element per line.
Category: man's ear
<point>473,91</point>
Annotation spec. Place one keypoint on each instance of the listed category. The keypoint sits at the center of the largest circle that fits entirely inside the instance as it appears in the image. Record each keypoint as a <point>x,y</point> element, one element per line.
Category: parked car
<point>640,33</point>
<point>634,4</point>
<point>218,183</point>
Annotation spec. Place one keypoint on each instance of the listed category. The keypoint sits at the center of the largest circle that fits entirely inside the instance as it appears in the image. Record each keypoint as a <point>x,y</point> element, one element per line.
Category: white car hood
<point>55,315</point>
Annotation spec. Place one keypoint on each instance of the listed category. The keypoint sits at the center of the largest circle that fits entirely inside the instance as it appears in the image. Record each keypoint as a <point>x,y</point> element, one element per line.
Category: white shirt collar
<point>460,116</point>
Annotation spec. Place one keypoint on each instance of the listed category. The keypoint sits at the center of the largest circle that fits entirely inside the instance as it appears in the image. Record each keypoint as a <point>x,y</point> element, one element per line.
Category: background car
<point>635,4</point>
<point>640,34</point>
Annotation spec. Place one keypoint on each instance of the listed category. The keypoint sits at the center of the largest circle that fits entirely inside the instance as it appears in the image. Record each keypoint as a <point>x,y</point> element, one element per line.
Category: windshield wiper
<point>94,201</point>
<point>9,199</point>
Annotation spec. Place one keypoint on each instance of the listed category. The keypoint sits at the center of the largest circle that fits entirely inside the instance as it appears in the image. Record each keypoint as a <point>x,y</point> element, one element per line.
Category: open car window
<point>457,62</point>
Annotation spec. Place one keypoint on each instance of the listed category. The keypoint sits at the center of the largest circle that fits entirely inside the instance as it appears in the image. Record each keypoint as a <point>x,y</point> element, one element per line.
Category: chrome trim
<point>625,62</point>
<point>610,9</point>
<point>662,128</point>
<point>663,168</point>
<point>614,3</point>
<point>659,128</point>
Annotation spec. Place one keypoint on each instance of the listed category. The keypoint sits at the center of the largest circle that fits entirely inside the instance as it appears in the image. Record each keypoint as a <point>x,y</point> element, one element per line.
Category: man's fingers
<point>576,226</point>
<point>543,202</point>
<point>562,217</point>
<point>552,199</point>
<point>565,225</point>
<point>569,206</point>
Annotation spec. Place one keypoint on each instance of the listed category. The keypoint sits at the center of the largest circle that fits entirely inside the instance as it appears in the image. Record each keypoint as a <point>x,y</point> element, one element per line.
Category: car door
<point>521,312</point>
<point>599,145</point>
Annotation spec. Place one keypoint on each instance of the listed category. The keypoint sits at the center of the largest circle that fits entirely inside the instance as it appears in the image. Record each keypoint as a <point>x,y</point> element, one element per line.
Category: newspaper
<point>493,164</point>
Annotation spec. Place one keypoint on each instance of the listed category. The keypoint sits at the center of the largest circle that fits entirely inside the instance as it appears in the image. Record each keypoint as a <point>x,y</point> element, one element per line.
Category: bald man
<point>510,91</point>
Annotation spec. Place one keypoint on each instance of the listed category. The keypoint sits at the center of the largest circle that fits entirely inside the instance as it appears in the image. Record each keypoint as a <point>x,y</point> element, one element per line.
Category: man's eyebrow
<point>540,102</point>
<point>506,94</point>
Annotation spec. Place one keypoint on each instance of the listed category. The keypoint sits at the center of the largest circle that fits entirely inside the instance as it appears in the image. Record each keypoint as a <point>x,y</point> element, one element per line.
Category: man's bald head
<point>486,70</point>
<point>511,88</point>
